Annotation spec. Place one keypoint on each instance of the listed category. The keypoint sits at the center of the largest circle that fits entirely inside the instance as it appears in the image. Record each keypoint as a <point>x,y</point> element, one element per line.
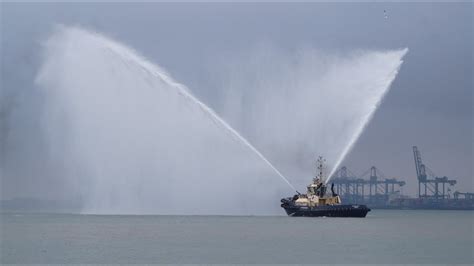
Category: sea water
<point>383,237</point>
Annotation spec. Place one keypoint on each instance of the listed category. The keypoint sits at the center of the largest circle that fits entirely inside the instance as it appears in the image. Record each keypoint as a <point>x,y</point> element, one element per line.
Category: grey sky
<point>429,104</point>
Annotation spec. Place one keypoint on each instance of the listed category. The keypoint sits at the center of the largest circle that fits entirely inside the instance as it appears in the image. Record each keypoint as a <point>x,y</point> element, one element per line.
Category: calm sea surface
<point>384,237</point>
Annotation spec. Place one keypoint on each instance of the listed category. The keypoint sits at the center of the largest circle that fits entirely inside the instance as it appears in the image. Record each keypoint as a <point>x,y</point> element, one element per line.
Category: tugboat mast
<point>320,166</point>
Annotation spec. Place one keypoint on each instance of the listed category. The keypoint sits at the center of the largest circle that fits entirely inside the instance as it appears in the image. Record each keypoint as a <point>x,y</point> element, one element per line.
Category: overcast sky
<point>429,104</point>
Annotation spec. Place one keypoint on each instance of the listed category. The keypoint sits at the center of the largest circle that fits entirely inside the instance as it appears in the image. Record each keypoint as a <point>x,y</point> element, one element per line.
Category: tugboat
<point>316,202</point>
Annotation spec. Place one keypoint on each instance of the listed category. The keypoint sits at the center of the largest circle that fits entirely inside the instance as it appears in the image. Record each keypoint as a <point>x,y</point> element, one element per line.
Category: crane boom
<point>420,167</point>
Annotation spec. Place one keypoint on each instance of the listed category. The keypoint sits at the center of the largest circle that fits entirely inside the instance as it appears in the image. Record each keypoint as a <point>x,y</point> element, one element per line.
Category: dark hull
<point>328,211</point>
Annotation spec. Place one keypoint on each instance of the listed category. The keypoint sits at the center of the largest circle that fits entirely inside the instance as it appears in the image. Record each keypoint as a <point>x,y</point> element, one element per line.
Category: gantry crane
<point>428,181</point>
<point>353,188</point>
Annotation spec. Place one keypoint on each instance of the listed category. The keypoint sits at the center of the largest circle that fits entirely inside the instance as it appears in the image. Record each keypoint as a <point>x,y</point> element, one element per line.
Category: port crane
<point>428,182</point>
<point>354,189</point>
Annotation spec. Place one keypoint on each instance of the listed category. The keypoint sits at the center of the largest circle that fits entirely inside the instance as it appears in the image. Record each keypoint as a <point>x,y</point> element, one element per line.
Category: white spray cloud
<point>295,108</point>
<point>129,139</point>
<point>132,140</point>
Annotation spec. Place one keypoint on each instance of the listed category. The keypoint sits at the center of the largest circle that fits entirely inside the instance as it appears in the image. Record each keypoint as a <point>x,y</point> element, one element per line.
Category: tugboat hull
<point>328,211</point>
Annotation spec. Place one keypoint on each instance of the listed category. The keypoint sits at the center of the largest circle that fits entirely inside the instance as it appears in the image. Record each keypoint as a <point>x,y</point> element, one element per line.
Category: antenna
<point>320,166</point>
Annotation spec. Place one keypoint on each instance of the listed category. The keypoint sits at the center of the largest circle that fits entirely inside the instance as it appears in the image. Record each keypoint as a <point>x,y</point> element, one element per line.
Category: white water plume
<point>295,108</point>
<point>131,140</point>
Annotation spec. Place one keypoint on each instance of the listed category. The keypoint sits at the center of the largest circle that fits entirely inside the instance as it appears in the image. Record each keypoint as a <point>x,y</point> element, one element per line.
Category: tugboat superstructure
<point>316,202</point>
